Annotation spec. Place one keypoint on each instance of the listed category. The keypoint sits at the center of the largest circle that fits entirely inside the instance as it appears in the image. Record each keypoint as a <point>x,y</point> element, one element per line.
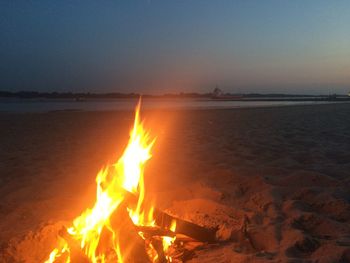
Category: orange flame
<point>113,183</point>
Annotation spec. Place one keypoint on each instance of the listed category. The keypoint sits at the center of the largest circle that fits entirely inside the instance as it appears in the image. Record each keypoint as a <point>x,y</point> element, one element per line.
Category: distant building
<point>217,92</point>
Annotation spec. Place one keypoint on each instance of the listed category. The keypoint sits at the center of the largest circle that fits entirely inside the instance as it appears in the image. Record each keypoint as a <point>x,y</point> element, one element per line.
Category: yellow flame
<point>113,182</point>
<point>62,249</point>
<point>168,241</point>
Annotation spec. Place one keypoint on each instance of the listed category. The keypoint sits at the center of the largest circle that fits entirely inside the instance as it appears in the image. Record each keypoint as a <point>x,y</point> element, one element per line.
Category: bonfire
<point>122,226</point>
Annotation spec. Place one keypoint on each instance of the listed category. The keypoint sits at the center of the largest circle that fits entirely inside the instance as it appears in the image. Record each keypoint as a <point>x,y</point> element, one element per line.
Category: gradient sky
<point>170,46</point>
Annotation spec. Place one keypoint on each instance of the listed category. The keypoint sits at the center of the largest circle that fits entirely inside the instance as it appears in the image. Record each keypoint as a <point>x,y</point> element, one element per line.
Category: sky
<point>162,46</point>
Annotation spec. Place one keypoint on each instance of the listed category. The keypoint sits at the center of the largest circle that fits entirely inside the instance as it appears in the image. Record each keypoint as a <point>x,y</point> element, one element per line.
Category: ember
<point>121,226</point>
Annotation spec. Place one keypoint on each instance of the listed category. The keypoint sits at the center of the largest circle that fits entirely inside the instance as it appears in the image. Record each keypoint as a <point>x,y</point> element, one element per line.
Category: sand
<point>286,170</point>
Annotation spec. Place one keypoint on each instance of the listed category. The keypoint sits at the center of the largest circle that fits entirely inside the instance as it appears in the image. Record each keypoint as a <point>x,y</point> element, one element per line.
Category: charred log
<point>132,245</point>
<point>151,231</point>
<point>164,221</point>
<point>192,230</point>
<point>158,246</point>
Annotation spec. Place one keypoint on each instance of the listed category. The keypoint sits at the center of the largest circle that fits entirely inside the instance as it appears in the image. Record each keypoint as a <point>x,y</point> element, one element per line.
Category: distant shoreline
<point>80,96</point>
<point>50,105</point>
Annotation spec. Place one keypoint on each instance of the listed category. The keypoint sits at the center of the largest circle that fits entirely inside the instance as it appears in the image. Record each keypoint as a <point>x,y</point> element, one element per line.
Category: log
<point>76,254</point>
<point>164,220</point>
<point>130,243</point>
<point>158,246</point>
<point>189,229</point>
<point>150,231</point>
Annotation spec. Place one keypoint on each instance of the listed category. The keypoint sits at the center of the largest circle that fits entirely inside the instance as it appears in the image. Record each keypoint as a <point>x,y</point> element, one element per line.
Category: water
<point>26,105</point>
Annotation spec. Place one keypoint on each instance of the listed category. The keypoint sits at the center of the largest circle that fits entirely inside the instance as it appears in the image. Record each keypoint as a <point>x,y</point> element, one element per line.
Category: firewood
<point>151,231</point>
<point>76,253</point>
<point>164,221</point>
<point>129,241</point>
<point>158,246</point>
<point>186,228</point>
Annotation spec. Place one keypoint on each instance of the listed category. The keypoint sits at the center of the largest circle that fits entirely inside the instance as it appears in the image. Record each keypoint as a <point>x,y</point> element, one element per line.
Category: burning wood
<point>186,228</point>
<point>121,226</point>
<point>131,241</point>
<point>164,220</point>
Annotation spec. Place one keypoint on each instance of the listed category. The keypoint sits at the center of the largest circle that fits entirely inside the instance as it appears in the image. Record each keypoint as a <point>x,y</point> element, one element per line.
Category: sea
<point>49,105</point>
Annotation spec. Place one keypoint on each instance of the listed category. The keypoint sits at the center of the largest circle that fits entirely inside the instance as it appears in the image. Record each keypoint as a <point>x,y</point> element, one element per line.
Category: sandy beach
<point>284,170</point>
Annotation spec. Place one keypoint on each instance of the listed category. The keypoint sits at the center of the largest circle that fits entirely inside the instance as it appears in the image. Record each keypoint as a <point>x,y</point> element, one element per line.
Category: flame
<point>113,184</point>
<point>168,241</point>
<point>58,252</point>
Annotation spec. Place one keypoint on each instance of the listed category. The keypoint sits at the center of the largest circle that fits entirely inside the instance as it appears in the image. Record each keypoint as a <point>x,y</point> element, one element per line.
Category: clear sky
<point>294,46</point>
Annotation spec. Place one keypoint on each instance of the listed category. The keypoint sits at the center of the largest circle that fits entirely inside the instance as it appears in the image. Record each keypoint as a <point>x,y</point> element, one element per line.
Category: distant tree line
<point>89,95</point>
<point>118,95</point>
<point>64,95</point>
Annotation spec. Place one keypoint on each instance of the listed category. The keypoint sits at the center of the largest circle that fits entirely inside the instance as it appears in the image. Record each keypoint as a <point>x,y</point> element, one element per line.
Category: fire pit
<point>122,226</point>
